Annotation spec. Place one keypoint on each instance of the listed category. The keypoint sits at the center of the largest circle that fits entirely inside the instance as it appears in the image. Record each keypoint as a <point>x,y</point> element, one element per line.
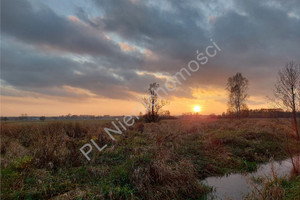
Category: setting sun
<point>197,109</point>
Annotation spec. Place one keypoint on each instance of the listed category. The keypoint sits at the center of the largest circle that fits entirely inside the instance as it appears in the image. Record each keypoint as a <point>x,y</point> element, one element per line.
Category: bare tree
<point>153,103</point>
<point>237,86</point>
<point>287,91</point>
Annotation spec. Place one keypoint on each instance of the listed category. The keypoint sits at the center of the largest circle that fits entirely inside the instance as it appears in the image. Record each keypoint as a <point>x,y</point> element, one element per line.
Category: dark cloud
<point>40,48</point>
<point>174,34</point>
<point>42,26</point>
<point>28,70</point>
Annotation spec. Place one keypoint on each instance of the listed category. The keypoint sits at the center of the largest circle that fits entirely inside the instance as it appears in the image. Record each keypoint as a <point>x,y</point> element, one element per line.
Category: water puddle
<point>235,186</point>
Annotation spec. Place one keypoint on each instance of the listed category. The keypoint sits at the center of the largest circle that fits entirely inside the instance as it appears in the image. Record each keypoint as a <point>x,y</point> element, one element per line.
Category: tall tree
<point>287,90</point>
<point>237,86</point>
<point>153,103</point>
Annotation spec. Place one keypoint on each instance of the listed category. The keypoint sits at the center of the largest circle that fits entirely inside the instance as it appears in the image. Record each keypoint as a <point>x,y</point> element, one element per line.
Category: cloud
<point>172,33</point>
<point>81,55</point>
<point>43,27</point>
<point>50,74</point>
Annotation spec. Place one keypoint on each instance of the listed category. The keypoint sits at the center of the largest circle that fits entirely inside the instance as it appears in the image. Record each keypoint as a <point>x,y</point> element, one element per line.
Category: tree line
<point>286,94</point>
<point>286,98</point>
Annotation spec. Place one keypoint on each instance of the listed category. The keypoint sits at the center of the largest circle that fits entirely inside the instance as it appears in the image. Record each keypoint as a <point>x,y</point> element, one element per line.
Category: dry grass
<point>273,187</point>
<point>164,160</point>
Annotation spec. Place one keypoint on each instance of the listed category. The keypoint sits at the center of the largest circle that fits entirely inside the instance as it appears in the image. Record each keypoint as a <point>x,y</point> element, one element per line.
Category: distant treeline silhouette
<point>260,113</point>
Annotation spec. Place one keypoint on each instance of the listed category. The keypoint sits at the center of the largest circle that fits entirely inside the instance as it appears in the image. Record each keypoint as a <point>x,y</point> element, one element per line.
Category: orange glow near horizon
<point>54,106</point>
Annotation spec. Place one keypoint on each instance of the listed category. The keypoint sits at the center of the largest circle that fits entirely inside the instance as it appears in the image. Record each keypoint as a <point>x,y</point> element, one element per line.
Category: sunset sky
<point>99,57</point>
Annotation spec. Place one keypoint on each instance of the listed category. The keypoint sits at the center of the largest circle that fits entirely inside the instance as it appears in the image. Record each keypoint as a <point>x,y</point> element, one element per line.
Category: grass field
<point>166,160</point>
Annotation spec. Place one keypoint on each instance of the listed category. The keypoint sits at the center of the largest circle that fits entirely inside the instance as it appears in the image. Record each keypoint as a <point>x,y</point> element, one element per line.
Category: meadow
<point>165,160</point>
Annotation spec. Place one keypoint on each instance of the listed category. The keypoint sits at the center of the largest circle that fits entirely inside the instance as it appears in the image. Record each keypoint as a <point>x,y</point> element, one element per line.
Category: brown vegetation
<point>163,160</point>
